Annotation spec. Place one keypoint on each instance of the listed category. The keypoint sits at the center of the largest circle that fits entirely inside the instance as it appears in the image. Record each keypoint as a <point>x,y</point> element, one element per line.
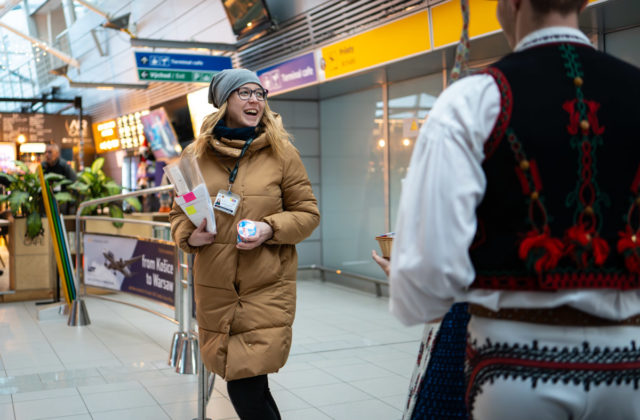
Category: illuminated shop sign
<point>105,135</point>
<point>33,148</point>
<point>131,130</point>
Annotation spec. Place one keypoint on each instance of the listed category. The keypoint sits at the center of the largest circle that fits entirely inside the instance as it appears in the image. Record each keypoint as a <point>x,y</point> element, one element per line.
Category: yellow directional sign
<point>399,39</point>
<point>447,21</point>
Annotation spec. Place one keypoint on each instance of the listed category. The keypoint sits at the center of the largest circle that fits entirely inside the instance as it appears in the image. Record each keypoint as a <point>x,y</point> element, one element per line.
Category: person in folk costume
<point>437,386</point>
<point>523,199</point>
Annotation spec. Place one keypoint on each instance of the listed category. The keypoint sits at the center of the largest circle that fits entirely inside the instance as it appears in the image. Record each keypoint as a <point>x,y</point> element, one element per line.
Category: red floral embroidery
<point>541,249</point>
<point>574,116</point>
<point>506,107</point>
<point>582,243</point>
<point>593,118</point>
<point>629,247</point>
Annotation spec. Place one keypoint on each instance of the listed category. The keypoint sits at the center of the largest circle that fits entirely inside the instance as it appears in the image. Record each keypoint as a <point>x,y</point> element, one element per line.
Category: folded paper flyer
<point>192,194</point>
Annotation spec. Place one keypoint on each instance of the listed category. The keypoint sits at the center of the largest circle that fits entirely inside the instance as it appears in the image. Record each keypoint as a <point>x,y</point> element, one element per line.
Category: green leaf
<point>21,165</point>
<point>134,202</point>
<point>62,183</point>
<point>116,211</point>
<point>89,210</point>
<point>97,165</point>
<point>34,225</point>
<point>52,177</point>
<point>102,178</point>
<point>3,198</point>
<point>87,177</point>
<point>79,186</point>
<point>10,178</point>
<point>17,199</point>
<point>63,197</point>
<point>112,188</point>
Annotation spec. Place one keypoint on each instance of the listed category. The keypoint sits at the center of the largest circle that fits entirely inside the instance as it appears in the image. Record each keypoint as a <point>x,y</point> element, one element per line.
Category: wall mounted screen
<point>246,16</point>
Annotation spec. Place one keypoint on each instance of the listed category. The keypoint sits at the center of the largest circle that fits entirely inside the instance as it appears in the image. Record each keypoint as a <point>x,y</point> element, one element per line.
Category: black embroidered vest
<point>562,205</point>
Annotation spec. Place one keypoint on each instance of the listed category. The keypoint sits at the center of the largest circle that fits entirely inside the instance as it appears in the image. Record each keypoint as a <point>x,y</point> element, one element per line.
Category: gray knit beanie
<point>227,81</point>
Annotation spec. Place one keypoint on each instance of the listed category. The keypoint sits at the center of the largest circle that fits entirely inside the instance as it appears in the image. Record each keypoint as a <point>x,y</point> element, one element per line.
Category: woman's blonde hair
<point>269,123</point>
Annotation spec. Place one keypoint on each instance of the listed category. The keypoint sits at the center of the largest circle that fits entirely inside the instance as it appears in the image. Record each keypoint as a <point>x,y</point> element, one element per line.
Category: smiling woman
<point>245,109</point>
<point>245,287</point>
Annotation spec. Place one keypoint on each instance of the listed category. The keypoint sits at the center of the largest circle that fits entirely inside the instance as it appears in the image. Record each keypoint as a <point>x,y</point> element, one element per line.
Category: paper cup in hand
<point>385,241</point>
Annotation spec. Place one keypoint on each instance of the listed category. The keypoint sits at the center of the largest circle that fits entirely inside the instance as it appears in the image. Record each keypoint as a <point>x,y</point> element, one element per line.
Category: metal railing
<point>78,315</point>
<point>110,199</point>
<point>184,354</point>
<point>377,282</point>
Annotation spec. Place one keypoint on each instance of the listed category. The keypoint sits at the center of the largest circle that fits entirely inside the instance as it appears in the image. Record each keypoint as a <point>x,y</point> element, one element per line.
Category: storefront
<point>357,141</point>
<point>354,100</point>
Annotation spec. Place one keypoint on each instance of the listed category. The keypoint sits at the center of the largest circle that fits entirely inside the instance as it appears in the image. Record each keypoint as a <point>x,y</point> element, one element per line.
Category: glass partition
<point>354,166</point>
<point>352,179</point>
<point>623,44</point>
<point>409,103</point>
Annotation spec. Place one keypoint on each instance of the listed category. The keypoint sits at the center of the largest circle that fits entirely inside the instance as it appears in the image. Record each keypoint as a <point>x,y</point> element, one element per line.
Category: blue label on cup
<point>246,228</point>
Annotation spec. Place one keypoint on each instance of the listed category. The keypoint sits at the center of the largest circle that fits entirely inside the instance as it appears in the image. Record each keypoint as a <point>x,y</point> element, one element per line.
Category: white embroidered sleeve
<point>436,222</point>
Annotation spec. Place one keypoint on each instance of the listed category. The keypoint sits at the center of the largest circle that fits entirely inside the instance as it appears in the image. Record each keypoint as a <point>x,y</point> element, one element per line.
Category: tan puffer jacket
<point>246,300</point>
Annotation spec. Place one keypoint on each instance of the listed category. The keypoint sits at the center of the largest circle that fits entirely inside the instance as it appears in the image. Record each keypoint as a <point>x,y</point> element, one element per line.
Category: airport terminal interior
<point>120,87</point>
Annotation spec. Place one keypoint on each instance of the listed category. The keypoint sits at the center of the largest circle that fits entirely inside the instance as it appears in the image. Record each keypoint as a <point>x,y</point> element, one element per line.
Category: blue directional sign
<point>188,68</point>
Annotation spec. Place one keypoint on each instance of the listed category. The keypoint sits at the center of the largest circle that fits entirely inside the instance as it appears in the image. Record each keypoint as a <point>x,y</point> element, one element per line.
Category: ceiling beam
<point>38,100</point>
<point>9,6</point>
<point>43,45</point>
<point>62,72</point>
<point>107,85</point>
<point>93,8</point>
<point>120,23</point>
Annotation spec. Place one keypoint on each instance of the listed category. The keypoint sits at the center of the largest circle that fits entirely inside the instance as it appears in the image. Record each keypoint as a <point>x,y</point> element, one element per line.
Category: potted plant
<point>25,195</point>
<point>93,183</point>
<point>32,261</point>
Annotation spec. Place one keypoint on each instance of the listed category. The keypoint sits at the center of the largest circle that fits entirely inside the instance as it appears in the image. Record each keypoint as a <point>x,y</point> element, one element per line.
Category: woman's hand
<point>384,263</point>
<point>264,232</point>
<point>200,236</point>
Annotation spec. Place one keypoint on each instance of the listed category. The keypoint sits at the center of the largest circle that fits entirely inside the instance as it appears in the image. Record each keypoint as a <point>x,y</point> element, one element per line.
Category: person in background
<point>245,289</point>
<point>55,164</point>
<point>522,199</point>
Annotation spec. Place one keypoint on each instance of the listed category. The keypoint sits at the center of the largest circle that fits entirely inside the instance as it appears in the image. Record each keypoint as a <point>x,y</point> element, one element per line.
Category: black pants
<point>252,399</point>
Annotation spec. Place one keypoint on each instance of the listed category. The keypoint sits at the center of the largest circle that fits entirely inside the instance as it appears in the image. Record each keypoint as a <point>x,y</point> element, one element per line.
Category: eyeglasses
<point>245,94</point>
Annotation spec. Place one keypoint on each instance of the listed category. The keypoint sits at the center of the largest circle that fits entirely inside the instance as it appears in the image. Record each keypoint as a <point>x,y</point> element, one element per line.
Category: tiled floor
<point>350,360</point>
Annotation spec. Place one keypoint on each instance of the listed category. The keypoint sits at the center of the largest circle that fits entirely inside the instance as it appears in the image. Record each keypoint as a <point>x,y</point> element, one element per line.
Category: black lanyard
<point>234,172</point>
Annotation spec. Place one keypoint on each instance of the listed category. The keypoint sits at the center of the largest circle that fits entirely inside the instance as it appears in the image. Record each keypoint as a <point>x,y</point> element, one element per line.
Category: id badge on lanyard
<point>226,201</point>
